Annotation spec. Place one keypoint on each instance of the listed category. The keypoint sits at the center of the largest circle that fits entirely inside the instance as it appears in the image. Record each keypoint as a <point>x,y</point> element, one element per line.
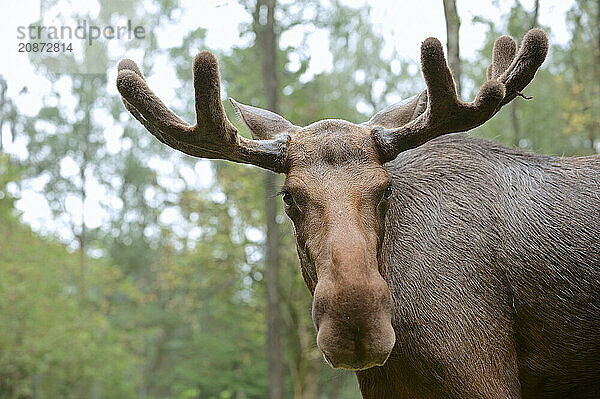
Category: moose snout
<point>354,324</point>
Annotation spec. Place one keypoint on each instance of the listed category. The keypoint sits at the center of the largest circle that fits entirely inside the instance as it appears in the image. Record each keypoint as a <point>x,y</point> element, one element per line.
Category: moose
<point>441,265</point>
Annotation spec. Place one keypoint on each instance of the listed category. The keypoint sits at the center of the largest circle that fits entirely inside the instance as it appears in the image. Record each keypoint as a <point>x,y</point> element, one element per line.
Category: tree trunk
<point>514,122</point>
<point>334,388</point>
<point>536,12</point>
<point>3,88</point>
<point>264,27</point>
<point>514,107</point>
<point>272,285</point>
<point>308,388</point>
<point>452,28</point>
<point>595,130</point>
<point>83,195</point>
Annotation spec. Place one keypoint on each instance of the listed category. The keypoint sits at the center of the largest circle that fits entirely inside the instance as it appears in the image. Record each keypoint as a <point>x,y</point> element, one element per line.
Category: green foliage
<point>562,115</point>
<point>48,342</point>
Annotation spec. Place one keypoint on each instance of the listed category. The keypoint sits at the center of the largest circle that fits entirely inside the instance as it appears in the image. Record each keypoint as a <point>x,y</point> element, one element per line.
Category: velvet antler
<point>213,136</point>
<point>439,111</point>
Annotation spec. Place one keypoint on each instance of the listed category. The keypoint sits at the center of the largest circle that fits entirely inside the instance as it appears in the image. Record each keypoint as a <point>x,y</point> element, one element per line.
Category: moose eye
<point>287,198</point>
<point>387,193</point>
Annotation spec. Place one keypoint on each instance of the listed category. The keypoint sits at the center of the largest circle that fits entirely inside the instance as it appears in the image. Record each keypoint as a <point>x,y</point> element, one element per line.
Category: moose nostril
<point>354,322</point>
<point>349,346</point>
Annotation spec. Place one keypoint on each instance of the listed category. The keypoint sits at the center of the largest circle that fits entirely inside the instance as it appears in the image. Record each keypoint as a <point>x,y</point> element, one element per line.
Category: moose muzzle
<point>352,309</point>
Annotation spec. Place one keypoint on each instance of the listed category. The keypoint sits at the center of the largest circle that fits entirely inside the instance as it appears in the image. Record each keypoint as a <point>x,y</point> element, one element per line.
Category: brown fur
<point>493,257</point>
<point>477,243</point>
<point>441,267</point>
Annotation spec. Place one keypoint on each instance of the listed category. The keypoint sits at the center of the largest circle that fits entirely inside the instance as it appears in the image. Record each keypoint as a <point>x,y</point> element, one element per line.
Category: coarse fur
<point>492,256</point>
<point>441,266</point>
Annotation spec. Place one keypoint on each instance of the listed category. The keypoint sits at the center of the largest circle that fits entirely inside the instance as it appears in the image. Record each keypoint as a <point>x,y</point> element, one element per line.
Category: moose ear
<point>263,124</point>
<point>400,113</point>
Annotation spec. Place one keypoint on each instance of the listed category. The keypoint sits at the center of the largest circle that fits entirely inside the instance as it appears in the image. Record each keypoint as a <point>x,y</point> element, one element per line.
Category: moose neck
<point>474,221</point>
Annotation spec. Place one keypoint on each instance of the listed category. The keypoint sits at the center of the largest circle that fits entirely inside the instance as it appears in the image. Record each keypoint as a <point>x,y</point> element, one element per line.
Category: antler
<point>213,136</point>
<point>444,112</point>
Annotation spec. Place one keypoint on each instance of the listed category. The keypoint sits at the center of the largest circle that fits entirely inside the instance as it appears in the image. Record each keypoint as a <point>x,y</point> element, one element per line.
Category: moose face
<point>336,190</point>
<point>337,194</point>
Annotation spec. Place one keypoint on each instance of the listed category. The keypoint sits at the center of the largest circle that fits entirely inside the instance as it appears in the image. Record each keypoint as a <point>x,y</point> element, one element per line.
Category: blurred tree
<point>452,44</point>
<point>50,345</point>
<point>549,123</point>
<point>539,121</point>
<point>8,111</point>
<point>516,29</point>
<point>68,144</point>
<point>579,67</point>
<point>75,168</point>
<point>67,150</point>
<point>361,81</point>
<point>263,25</point>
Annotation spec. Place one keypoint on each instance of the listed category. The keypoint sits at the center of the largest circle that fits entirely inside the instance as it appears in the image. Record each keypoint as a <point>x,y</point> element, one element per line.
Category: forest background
<point>128,270</point>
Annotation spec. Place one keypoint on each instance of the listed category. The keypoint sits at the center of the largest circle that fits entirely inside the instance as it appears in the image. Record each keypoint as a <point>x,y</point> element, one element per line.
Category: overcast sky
<point>403,24</point>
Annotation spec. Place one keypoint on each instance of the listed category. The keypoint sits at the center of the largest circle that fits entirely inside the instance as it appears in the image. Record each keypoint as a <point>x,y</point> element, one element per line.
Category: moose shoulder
<point>441,266</point>
<point>493,259</point>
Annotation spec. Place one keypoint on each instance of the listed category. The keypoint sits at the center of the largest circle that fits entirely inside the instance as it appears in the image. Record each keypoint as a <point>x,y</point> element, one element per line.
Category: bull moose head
<point>336,190</point>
